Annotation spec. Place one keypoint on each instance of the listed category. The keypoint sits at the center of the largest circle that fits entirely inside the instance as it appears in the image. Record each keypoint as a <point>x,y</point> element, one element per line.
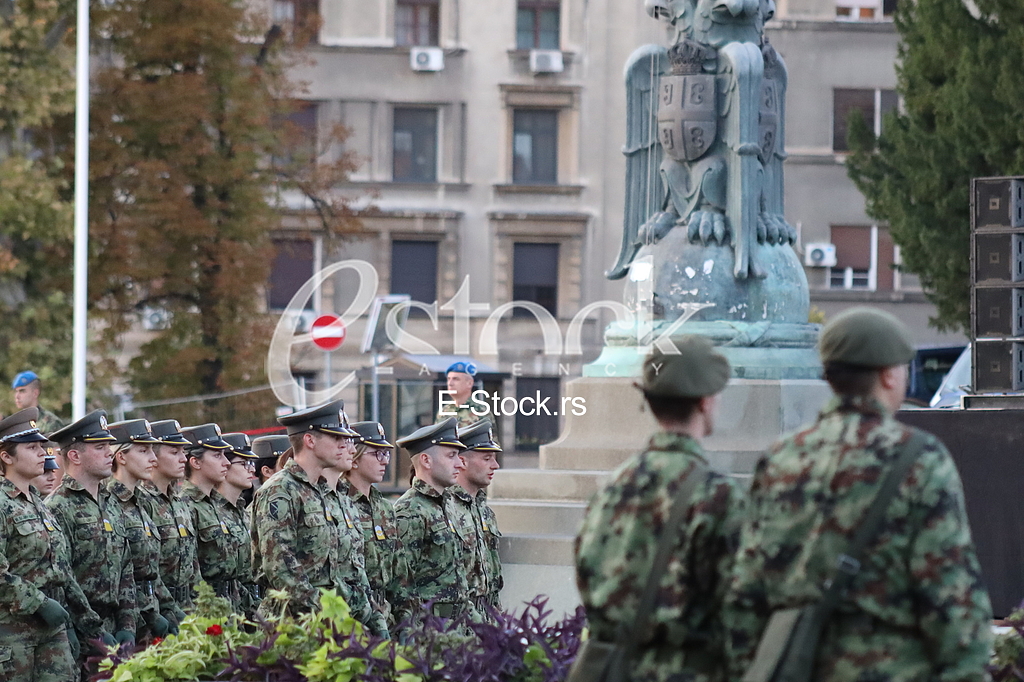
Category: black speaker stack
<point>997,284</point>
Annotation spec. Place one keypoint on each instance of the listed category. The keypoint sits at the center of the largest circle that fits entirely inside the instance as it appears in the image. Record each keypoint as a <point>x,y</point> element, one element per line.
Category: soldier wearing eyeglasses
<point>382,548</point>
<point>240,478</point>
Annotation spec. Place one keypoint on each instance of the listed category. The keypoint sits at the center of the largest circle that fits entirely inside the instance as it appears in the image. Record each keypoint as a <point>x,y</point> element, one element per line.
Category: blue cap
<point>464,367</point>
<point>24,379</point>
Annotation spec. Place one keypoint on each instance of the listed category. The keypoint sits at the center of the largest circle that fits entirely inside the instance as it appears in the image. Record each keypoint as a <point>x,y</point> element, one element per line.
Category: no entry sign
<point>328,332</point>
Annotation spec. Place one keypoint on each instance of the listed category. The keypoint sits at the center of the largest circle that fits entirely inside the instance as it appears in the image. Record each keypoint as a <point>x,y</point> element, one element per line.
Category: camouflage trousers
<point>35,653</point>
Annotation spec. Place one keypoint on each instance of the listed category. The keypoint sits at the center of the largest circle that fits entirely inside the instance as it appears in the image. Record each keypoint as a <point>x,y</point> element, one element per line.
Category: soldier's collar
<point>293,468</point>
<point>425,488</point>
<point>8,487</point>
<point>72,483</point>
<point>668,441</point>
<point>119,489</point>
<point>849,403</point>
<point>461,493</point>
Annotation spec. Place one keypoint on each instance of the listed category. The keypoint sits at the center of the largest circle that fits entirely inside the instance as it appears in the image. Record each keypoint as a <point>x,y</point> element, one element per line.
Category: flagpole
<point>81,260</point>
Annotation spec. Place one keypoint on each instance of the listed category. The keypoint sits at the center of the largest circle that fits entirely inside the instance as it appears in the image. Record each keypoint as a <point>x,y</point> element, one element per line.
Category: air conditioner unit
<point>820,255</point>
<point>546,61</point>
<point>426,59</point>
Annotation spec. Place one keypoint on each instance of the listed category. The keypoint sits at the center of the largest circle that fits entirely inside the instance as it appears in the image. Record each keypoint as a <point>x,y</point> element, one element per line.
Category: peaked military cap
<point>20,427</point>
<point>372,433</point>
<point>92,428</point>
<point>329,418</point>
<point>133,431</point>
<point>240,444</point>
<point>463,367</point>
<point>50,463</point>
<point>442,433</point>
<point>204,436</point>
<point>866,337</point>
<point>267,447</point>
<point>24,379</point>
<point>168,432</point>
<point>697,370</point>
<point>480,437</point>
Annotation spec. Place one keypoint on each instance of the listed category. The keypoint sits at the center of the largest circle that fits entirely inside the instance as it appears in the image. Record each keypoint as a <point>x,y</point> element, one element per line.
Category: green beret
<point>866,337</point>
<point>698,370</point>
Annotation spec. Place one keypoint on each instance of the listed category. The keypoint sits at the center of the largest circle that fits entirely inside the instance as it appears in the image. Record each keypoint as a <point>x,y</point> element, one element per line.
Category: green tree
<point>189,166</point>
<point>962,87</point>
<point>36,97</point>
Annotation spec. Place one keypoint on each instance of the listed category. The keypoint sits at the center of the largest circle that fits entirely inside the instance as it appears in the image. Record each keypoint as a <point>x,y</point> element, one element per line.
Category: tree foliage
<point>189,161</point>
<point>36,97</point>
<point>962,89</point>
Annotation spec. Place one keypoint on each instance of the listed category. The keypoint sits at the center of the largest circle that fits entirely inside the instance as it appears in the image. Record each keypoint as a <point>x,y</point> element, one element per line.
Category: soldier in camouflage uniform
<point>476,522</point>
<point>301,542</point>
<point>179,559</point>
<point>683,637</point>
<point>268,450</point>
<point>458,401</point>
<point>94,525</point>
<point>235,513</point>
<point>917,610</point>
<point>218,548</point>
<point>377,518</point>
<point>35,625</point>
<point>26,394</point>
<point>434,552</point>
<point>134,462</point>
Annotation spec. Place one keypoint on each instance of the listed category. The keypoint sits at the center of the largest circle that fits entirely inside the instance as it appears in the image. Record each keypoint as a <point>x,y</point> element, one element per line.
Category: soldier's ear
<point>73,456</point>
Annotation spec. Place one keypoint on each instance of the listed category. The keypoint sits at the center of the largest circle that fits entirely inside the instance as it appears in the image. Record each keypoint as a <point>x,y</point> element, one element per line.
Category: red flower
<point>215,630</point>
<point>157,640</point>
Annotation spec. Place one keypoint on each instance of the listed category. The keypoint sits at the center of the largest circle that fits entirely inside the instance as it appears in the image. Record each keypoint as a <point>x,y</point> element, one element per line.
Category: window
<point>292,267</point>
<point>866,258</point>
<point>299,19</point>
<point>537,25</point>
<point>873,105</point>
<point>414,154</point>
<point>416,22</point>
<point>535,276</point>
<point>535,147</point>
<point>534,430</point>
<point>414,271</point>
<point>299,134</point>
<point>864,10</point>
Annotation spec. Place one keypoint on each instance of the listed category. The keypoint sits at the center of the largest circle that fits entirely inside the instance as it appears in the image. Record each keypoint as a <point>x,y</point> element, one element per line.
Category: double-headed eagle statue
<point>705,134</point>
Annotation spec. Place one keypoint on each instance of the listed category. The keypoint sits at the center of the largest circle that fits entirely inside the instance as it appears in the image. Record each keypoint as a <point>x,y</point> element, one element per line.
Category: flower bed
<point>331,646</point>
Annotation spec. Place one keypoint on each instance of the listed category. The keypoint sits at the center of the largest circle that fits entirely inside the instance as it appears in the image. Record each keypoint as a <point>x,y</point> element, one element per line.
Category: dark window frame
<point>538,8</point>
<point>404,269</point>
<point>539,169</point>
<point>433,28</point>
<point>529,284</point>
<point>424,173</point>
<point>290,255</point>
<point>886,98</point>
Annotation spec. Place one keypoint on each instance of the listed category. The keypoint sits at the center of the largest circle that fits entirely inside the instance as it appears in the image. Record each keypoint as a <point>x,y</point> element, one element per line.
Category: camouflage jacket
<point>353,567</point>
<point>492,542</point>
<point>34,564</point>
<point>179,557</point>
<point>299,545</point>
<point>144,544</point>
<point>224,552</point>
<point>433,552</point>
<point>48,422</point>
<point>469,524</point>
<point>917,610</point>
<point>237,518</point>
<point>100,555</point>
<point>683,637</point>
<point>382,550</point>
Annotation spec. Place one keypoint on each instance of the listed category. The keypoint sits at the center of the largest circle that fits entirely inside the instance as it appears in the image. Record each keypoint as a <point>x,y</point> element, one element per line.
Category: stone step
<point>536,549</point>
<point>542,484</point>
<point>538,516</point>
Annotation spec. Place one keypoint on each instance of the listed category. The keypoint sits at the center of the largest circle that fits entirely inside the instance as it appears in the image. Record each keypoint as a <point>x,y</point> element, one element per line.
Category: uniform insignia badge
<point>49,526</point>
<point>378,532</point>
<point>380,429</point>
<point>484,524</point>
<point>348,519</point>
<point>31,424</point>
<point>103,423</point>
<point>181,531</point>
<point>149,533</point>
<point>107,526</point>
<point>224,528</point>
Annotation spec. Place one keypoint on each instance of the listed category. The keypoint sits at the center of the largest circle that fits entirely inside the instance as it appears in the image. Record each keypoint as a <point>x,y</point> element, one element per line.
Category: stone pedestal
<point>539,510</point>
